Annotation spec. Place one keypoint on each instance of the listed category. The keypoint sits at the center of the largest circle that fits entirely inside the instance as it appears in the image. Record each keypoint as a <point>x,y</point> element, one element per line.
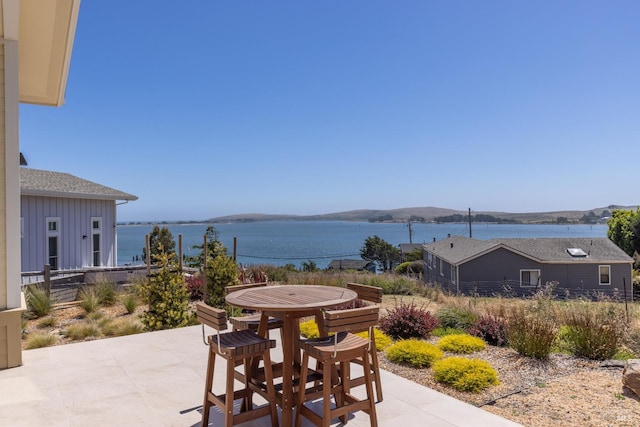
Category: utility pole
<point>470,223</point>
<point>410,231</point>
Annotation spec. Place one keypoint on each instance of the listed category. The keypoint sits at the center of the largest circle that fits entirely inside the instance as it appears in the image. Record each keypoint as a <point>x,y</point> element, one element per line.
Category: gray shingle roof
<point>456,249</point>
<point>349,264</point>
<point>405,248</point>
<point>554,250</point>
<point>459,249</point>
<point>36,182</point>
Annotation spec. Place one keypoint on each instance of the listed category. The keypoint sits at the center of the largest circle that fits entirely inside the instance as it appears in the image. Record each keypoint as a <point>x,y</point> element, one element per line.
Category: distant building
<point>579,266</point>
<point>66,221</point>
<point>352,264</point>
<point>407,248</point>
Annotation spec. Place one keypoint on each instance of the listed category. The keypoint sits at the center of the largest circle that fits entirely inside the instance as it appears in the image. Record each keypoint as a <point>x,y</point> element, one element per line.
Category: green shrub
<point>624,354</point>
<point>39,340</point>
<point>595,330</point>
<point>410,267</point>
<point>121,327</point>
<point>222,271</point>
<point>402,267</point>
<point>465,374</point>
<point>442,332</point>
<point>309,329</point>
<point>417,353</point>
<point>408,321</point>
<point>82,330</point>
<point>38,302</point>
<point>130,302</point>
<point>456,317</point>
<point>383,341</point>
<point>561,344</point>
<point>89,299</point>
<point>491,328</point>
<point>461,344</point>
<point>167,297</point>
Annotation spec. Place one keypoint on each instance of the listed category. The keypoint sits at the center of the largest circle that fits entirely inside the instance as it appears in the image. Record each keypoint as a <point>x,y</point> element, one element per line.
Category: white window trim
<point>50,233</point>
<point>529,269</point>
<point>440,267</point>
<point>600,276</point>
<point>453,274</point>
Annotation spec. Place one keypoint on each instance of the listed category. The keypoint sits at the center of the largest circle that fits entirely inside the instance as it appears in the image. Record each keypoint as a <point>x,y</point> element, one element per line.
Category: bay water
<point>295,242</point>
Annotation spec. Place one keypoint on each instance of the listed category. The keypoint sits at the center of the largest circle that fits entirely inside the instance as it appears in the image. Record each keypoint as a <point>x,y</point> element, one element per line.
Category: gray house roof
<point>349,264</point>
<point>458,249</point>
<point>405,248</point>
<point>36,182</point>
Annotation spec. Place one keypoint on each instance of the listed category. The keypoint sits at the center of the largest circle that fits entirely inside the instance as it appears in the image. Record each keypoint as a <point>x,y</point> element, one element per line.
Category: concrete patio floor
<point>157,379</point>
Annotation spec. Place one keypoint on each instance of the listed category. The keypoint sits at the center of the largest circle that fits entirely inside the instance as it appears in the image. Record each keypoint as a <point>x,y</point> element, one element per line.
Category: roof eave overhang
<point>495,248</point>
<point>65,195</point>
<point>45,41</point>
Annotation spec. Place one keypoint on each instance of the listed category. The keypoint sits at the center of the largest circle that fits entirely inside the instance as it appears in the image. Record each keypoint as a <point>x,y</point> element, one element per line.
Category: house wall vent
<point>576,252</point>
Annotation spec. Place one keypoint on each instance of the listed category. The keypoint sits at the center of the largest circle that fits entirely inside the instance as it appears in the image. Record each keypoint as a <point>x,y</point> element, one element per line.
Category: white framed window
<point>453,274</point>
<point>440,267</point>
<point>96,240</point>
<point>53,243</point>
<point>604,274</point>
<point>529,278</point>
<point>430,260</point>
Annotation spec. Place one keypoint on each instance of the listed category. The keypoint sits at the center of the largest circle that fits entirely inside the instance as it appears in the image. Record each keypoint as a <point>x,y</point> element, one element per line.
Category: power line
<point>298,258</point>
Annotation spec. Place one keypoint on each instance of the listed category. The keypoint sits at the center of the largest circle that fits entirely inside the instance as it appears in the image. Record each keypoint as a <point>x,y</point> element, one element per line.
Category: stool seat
<point>241,342</point>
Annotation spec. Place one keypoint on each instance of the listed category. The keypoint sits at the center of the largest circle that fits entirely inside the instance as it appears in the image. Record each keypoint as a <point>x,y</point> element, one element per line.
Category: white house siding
<point>75,222</point>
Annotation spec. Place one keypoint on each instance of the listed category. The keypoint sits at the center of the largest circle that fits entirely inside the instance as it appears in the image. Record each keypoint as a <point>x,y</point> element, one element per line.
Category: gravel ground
<point>563,391</point>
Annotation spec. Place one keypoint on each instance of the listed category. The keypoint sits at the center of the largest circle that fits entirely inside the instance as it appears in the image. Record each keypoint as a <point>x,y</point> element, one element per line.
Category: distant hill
<point>427,214</point>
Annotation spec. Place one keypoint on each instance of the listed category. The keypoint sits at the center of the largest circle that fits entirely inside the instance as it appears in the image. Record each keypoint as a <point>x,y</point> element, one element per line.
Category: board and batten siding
<point>75,222</point>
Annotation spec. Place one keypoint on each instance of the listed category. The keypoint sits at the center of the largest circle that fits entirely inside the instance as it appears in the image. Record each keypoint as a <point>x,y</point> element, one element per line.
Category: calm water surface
<point>284,242</point>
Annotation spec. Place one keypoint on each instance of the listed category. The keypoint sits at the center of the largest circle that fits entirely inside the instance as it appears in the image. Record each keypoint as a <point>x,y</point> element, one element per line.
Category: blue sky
<point>210,108</point>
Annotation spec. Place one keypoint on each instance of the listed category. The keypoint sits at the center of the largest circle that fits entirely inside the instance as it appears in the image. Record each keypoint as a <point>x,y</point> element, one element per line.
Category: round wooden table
<point>290,303</point>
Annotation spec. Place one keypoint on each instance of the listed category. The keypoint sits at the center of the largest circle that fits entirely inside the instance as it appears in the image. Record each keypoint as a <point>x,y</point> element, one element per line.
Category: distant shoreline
<point>416,215</point>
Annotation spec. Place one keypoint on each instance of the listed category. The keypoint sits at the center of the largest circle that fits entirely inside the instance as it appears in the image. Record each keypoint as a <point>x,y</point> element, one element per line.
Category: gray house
<point>67,222</point>
<point>578,266</point>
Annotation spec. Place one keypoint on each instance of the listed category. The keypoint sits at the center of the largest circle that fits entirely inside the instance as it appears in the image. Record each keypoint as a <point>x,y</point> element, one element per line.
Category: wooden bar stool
<point>236,348</point>
<point>371,294</point>
<point>342,348</point>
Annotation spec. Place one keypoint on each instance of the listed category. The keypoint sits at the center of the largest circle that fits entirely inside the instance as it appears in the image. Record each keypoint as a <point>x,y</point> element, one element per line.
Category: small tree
<point>222,271</point>
<point>624,230</point>
<point>383,253</point>
<point>160,241</point>
<point>214,248</point>
<point>167,296</point>
<point>309,266</point>
<point>414,255</point>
